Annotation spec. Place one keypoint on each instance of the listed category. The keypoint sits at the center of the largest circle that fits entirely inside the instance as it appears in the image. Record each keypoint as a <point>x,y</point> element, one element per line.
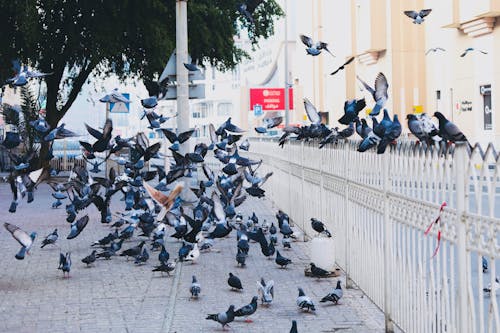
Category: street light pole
<point>287,102</point>
<point>181,41</point>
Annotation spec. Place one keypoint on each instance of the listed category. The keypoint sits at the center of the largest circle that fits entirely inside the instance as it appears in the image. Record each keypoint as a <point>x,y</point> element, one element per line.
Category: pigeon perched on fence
<point>448,130</point>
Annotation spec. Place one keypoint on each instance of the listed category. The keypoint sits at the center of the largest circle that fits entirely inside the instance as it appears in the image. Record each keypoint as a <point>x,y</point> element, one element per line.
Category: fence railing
<point>378,207</point>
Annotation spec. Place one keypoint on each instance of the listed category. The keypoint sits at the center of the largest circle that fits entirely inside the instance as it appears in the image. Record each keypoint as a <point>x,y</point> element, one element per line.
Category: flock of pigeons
<point>196,216</point>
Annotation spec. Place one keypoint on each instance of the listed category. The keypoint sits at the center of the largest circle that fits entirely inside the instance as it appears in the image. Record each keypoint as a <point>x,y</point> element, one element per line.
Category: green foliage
<point>73,38</point>
<point>21,116</point>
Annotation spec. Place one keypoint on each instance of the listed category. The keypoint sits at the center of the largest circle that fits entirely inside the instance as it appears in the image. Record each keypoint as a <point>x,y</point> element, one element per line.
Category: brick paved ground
<point>116,296</point>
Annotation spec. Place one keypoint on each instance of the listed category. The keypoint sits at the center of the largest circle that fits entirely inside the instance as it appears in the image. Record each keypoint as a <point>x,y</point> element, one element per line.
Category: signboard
<point>120,107</point>
<point>271,99</point>
<point>257,110</point>
<point>488,119</point>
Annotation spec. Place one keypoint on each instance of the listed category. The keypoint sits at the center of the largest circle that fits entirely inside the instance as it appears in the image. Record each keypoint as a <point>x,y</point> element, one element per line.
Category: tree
<point>132,38</point>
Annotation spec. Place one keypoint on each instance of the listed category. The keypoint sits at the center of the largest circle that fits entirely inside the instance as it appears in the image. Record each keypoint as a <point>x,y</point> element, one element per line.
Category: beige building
<point>383,39</point>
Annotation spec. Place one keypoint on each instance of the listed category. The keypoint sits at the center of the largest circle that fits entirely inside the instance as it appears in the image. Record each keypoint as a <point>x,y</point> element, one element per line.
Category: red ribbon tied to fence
<point>436,221</point>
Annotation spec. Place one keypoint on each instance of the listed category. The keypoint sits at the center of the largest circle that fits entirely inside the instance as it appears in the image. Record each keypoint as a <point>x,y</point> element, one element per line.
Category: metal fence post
<point>347,216</point>
<point>459,164</point>
<point>302,186</point>
<point>389,326</point>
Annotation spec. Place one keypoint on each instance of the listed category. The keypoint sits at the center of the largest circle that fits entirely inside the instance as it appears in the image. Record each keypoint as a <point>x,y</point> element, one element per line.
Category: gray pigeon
<point>247,310</point>
<point>448,130</point>
<point>50,239</point>
<point>379,93</point>
<point>223,318</point>
<point>334,296</point>
<point>314,48</point>
<point>266,291</point>
<point>195,288</point>
<point>304,302</point>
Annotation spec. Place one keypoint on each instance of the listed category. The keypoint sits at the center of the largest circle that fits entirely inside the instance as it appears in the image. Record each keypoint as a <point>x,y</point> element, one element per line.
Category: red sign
<point>271,99</point>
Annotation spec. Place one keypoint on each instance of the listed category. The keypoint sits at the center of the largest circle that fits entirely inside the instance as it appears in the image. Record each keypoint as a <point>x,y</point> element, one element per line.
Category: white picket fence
<point>378,207</point>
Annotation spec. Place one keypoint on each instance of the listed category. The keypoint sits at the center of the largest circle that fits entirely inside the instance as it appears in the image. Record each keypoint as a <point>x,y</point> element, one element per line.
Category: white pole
<point>389,327</point>
<point>181,41</point>
<point>287,102</point>
<point>460,163</point>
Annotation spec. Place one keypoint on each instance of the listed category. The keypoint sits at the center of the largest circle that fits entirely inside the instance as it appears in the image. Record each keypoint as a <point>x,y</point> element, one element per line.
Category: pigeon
<point>241,258</point>
<point>133,251</point>
<point>90,258</point>
<point>286,243</point>
<point>319,227</point>
<point>176,140</point>
<point>318,272</point>
<point>269,123</point>
<point>65,263</point>
<point>234,282</point>
<point>149,102</point>
<point>342,66</point>
<point>165,201</point>
<point>390,134</point>
<point>434,49</point>
<point>470,49</point>
<point>23,74</point>
<point>351,110</point>
<point>59,132</point>
<point>373,138</point>
<point>448,130</point>
<point>193,254</point>
<point>334,296</point>
<point>492,288</point>
<point>247,310</point>
<point>50,239</point>
<point>304,302</point>
<point>379,93</point>
<point>195,288</point>
<point>223,318</point>
<point>163,256</point>
<point>164,268</point>
<point>114,97</point>
<point>418,17</point>
<point>191,67</point>
<point>103,138</point>
<point>78,226</point>
<point>266,291</point>
<point>22,238</point>
<point>142,258</point>
<point>294,327</point>
<point>484,264</point>
<point>282,261</point>
<point>313,48</point>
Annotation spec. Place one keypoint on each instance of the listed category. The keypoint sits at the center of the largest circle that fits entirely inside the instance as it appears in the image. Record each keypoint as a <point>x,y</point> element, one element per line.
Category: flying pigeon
<point>176,140</point>
<point>313,48</point>
<point>418,17</point>
<point>165,201</point>
<point>319,227</point>
<point>379,93</point>
<point>434,49</point>
<point>234,282</point>
<point>78,226</point>
<point>266,291</point>
<point>334,296</point>
<point>191,67</point>
<point>195,288</point>
<point>23,74</point>
<point>247,310</point>
<point>114,97</point>
<point>351,110</point>
<point>343,66</point>
<point>22,238</point>
<point>304,302</point>
<point>223,318</point>
<point>470,49</point>
<point>149,102</point>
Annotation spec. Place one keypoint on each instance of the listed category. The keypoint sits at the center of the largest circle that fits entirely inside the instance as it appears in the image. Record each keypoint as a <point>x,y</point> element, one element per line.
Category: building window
<point>487,111</point>
<point>224,109</point>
